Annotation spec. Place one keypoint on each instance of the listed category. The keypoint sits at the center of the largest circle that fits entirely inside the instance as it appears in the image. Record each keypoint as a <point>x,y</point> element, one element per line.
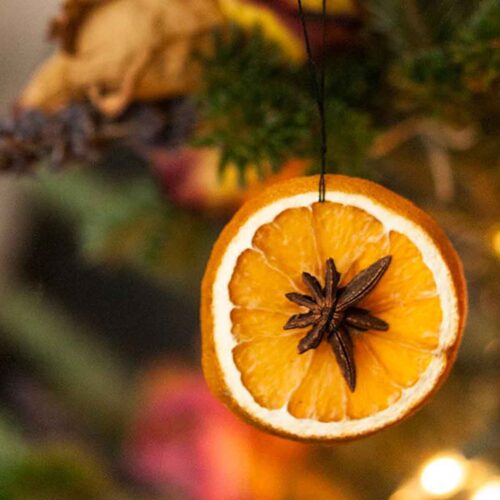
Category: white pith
<point>224,341</point>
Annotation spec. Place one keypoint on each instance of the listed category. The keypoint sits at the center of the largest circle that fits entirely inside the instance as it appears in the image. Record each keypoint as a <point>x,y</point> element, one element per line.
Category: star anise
<point>332,312</point>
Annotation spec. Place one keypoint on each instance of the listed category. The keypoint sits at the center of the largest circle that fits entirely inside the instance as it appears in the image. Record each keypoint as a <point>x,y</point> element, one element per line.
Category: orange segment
<point>408,278</point>
<point>256,284</point>
<point>375,391</point>
<point>253,364</point>
<point>416,324</point>
<point>342,232</point>
<point>251,324</point>
<point>271,368</point>
<point>321,394</point>
<point>289,243</point>
<point>411,362</point>
<point>370,253</point>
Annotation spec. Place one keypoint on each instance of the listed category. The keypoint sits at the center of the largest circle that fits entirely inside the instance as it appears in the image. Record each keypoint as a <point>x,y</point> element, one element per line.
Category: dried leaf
<point>124,50</point>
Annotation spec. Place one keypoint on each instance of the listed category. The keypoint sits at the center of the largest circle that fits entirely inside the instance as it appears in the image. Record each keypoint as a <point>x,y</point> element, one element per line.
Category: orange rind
<point>252,364</point>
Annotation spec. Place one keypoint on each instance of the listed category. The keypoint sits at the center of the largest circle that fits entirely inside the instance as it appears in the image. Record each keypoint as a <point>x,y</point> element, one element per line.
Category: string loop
<point>319,90</point>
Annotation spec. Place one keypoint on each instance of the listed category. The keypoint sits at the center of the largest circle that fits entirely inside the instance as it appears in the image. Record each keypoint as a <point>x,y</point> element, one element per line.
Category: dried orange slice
<point>253,364</point>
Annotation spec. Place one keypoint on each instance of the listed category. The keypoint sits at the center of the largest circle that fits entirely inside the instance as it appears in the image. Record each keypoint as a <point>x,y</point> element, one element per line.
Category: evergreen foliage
<point>261,110</point>
<point>452,79</point>
<point>416,58</point>
<point>253,107</point>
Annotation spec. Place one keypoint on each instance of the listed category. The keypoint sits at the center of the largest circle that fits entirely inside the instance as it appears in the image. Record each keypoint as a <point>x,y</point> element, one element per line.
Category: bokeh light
<point>443,475</point>
<point>490,491</point>
<point>495,241</point>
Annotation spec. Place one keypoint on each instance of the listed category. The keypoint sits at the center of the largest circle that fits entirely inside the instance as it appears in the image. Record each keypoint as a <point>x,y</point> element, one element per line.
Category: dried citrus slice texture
<point>254,365</point>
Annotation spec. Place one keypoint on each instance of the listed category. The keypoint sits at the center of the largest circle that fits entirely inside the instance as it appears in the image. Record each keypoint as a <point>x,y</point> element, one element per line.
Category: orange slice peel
<point>253,365</point>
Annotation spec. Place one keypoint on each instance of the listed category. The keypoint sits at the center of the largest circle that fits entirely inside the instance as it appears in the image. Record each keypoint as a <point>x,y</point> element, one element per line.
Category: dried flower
<point>80,133</point>
<point>118,51</point>
<point>69,135</point>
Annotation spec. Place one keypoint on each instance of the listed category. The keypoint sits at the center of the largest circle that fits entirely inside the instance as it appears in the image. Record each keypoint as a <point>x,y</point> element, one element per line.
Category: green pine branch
<point>458,80</point>
<point>260,109</point>
<point>417,58</point>
<point>409,25</point>
<point>251,105</point>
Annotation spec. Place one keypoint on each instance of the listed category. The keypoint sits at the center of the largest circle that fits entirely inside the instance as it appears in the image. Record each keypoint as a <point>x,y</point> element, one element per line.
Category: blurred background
<point>131,131</point>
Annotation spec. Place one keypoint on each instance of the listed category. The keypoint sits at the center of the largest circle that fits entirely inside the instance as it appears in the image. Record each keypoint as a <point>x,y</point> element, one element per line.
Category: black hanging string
<point>319,90</point>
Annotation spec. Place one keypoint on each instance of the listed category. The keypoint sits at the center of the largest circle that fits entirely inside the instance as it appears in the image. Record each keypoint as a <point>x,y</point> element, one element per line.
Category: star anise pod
<point>332,312</point>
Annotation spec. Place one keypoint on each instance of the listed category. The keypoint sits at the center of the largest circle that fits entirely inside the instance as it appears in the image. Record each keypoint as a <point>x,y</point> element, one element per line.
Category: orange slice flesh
<point>305,396</point>
<point>302,239</point>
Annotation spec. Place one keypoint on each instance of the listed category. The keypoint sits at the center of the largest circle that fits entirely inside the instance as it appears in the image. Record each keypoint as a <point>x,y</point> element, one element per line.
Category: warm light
<point>495,241</point>
<point>490,491</point>
<point>443,475</point>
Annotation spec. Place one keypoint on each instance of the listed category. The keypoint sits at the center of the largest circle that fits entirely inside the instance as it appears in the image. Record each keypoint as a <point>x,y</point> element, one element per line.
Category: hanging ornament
<point>329,316</point>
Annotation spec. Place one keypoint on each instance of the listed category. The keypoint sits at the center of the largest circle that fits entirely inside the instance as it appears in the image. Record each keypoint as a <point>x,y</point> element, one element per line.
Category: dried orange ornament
<point>399,334</point>
<point>329,320</point>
